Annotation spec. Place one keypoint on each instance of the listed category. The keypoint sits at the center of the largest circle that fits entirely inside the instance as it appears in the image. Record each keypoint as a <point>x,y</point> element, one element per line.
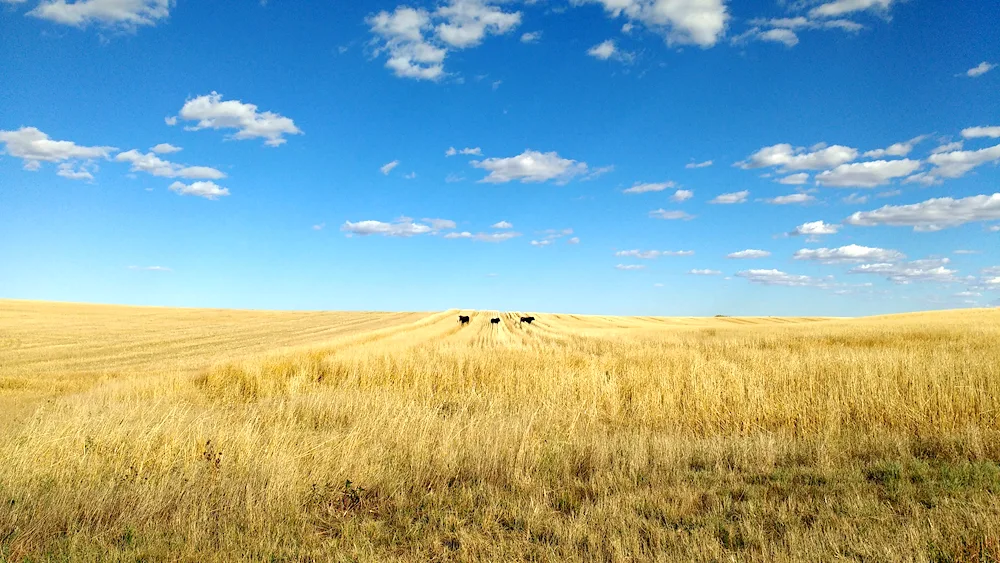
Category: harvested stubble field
<point>199,435</point>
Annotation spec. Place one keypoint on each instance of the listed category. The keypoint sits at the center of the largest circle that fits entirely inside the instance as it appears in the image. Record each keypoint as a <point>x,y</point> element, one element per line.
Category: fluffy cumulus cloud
<point>977,132</point>
<point>867,174</point>
<point>212,112</point>
<point>731,198</point>
<point>152,164</point>
<point>787,157</point>
<point>641,188</point>
<point>653,254</point>
<point>896,149</point>
<point>627,267</point>
<point>604,50</point>
<point>82,172</point>
<point>956,164</point>
<point>849,253</point>
<point>705,164</point>
<point>791,199</point>
<point>125,14</point>
<point>402,227</point>
<point>749,254</point>
<point>452,151</point>
<point>704,273</point>
<point>932,215</point>
<point>780,35</point>
<point>980,69</point>
<point>34,147</point>
<point>777,277</point>
<point>503,225</point>
<point>795,179</point>
<point>682,22</point>
<point>933,270</point>
<point>207,190</point>
<point>670,215</point>
<point>814,228</point>
<point>682,195</point>
<point>417,41</point>
<point>530,166</point>
<point>165,148</point>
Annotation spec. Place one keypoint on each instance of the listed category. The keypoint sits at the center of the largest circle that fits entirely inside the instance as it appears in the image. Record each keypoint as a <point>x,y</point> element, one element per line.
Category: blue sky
<point>658,157</point>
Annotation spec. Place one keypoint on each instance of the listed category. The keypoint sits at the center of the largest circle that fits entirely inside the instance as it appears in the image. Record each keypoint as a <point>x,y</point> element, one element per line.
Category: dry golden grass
<point>158,434</point>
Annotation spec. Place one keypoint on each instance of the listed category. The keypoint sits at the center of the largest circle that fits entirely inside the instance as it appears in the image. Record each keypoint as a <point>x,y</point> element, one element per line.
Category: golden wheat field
<point>149,434</point>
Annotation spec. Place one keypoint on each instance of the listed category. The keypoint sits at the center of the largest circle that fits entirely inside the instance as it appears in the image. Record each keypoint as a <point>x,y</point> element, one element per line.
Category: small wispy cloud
<point>150,268</point>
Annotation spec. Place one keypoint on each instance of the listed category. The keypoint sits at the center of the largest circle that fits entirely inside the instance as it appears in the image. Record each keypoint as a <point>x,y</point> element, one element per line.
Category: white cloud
<point>867,174</point>
<point>814,228</point>
<point>855,199</point>
<point>653,254</point>
<point>467,22</point>
<point>791,199</point>
<point>170,121</point>
<point>440,224</point>
<point>127,14</point>
<point>948,147</point>
<point>165,148</point>
<point>795,179</point>
<point>980,69</point>
<point>417,41</point>
<point>150,268</point>
<point>732,198</point>
<point>653,187</point>
<point>967,252</point>
<point>932,215</point>
<point>682,195</point>
<point>503,225</point>
<point>957,163</point>
<point>34,147</point>
<point>992,281</point>
<point>697,22</point>
<point>483,237</point>
<point>452,151</point>
<point>573,240</point>
<point>544,242</point>
<point>890,193</point>
<point>896,149</point>
<point>319,227</point>
<point>211,112</point>
<point>410,176</point>
<point>402,227</point>
<point>994,229</point>
<point>207,190</point>
<point>750,253</point>
<point>799,158</point>
<point>841,7</point>
<point>780,35</point>
<point>777,277</point>
<point>849,253</point>
<point>603,50</point>
<point>530,166</point>
<point>627,267</point>
<point>670,215</point>
<point>66,171</point>
<point>705,164</point>
<point>918,270</point>
<point>386,168</point>
<point>152,164</point>
<point>705,273</point>
<point>531,37</point>
<point>978,132</point>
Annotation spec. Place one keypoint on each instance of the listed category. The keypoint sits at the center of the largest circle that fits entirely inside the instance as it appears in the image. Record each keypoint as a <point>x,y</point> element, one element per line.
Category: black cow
<point>495,321</point>
<point>464,319</point>
<point>527,319</point>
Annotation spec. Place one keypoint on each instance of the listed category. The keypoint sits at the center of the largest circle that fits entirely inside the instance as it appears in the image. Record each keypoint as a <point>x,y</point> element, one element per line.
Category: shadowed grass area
<point>574,439</point>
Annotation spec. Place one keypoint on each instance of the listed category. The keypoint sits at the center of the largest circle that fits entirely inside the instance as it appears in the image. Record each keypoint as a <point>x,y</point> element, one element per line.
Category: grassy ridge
<point>577,438</point>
